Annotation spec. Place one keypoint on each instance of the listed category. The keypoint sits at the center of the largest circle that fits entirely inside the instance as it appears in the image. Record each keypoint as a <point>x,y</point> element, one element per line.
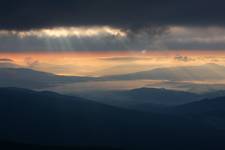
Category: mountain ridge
<point>43,118</point>
<point>214,72</point>
<point>28,78</point>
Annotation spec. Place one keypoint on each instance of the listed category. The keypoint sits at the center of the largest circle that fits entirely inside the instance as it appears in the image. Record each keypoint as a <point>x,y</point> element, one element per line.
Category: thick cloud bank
<point>78,25</point>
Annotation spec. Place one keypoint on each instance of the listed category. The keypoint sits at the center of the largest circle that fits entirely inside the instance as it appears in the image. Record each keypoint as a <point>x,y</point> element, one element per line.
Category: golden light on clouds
<point>58,32</point>
<point>108,63</point>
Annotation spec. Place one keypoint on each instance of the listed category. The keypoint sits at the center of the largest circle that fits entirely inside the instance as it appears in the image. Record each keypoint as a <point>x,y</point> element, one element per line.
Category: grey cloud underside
<point>145,22</point>
<point>15,43</point>
<point>30,14</point>
<point>139,42</point>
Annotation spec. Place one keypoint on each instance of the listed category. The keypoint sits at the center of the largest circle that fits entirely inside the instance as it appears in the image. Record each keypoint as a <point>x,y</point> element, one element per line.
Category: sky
<point>101,37</point>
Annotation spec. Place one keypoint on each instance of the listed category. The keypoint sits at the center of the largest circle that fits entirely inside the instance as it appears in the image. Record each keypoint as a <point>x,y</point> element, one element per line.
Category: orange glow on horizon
<point>110,62</point>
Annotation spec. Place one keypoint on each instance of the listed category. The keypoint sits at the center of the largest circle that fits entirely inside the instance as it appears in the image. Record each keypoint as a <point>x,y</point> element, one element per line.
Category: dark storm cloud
<point>146,24</point>
<point>126,14</point>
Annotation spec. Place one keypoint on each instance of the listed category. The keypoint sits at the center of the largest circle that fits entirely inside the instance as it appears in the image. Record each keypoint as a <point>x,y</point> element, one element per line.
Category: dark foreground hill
<point>143,98</point>
<point>202,107</point>
<point>49,118</point>
<point>6,145</point>
<point>149,99</point>
<point>210,111</point>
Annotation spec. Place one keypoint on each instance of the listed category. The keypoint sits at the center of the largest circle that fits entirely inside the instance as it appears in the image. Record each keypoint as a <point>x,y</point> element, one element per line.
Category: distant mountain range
<point>143,99</point>
<point>12,76</point>
<point>28,78</point>
<point>203,107</point>
<point>8,65</point>
<point>149,99</point>
<point>158,96</point>
<point>203,72</point>
<point>50,118</point>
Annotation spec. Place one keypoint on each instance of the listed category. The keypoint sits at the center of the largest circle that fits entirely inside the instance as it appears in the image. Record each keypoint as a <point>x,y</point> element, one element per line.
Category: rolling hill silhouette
<point>203,72</point>
<point>149,99</point>
<point>144,99</point>
<point>50,118</point>
<point>28,78</point>
<point>211,111</point>
<point>7,145</point>
<point>203,106</point>
<point>8,65</point>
